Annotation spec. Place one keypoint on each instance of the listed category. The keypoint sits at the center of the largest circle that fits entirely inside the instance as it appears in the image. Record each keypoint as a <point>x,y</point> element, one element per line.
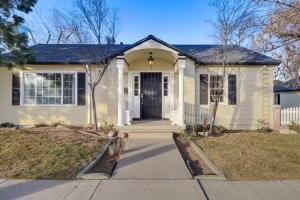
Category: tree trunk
<point>94,109</point>
<point>213,118</point>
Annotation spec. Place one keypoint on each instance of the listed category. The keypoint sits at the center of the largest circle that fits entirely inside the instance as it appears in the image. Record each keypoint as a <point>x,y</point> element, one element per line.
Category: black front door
<point>151,107</point>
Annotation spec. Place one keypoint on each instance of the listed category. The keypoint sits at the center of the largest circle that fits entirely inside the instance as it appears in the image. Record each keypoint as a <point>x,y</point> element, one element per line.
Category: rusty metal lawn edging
<point>218,175</point>
<point>83,174</point>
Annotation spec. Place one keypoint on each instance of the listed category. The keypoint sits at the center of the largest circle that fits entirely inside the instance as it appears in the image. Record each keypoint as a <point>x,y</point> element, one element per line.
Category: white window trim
<point>132,73</point>
<point>49,105</point>
<point>225,88</point>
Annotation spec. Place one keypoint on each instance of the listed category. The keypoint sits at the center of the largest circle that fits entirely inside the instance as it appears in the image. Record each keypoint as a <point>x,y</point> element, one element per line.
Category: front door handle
<point>142,98</point>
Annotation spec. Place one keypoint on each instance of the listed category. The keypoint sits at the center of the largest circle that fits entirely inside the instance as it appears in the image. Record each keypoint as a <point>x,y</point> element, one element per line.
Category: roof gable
<point>150,39</point>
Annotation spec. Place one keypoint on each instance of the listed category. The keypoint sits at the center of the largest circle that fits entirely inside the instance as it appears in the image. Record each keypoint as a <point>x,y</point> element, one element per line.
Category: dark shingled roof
<point>202,54</point>
<point>287,86</point>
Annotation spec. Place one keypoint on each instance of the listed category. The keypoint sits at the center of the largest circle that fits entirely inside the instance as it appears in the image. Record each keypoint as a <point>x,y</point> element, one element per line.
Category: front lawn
<point>45,153</point>
<point>254,156</point>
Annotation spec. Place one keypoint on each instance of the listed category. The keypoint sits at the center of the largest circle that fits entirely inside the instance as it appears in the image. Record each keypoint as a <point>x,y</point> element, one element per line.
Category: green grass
<point>45,153</point>
<point>255,156</point>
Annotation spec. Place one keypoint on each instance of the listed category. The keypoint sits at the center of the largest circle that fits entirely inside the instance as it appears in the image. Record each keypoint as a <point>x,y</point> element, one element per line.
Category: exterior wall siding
<point>77,115</point>
<point>31,115</point>
<point>247,113</point>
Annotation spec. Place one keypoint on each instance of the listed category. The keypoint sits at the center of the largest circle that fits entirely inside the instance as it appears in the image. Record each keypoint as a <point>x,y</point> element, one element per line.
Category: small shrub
<point>55,124</point>
<point>220,129</point>
<point>264,130</point>
<point>294,127</point>
<point>40,125</point>
<point>107,127</point>
<point>183,136</point>
<point>205,128</point>
<point>7,125</point>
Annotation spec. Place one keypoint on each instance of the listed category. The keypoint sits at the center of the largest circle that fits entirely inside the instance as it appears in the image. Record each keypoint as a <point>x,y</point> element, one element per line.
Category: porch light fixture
<point>150,59</point>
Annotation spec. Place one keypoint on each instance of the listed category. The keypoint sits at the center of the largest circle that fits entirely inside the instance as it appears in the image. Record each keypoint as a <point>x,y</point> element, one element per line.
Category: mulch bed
<point>196,164</point>
<point>109,160</point>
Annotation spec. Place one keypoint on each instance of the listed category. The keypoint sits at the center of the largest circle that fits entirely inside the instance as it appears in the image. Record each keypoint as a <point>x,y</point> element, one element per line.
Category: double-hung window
<point>49,88</point>
<point>213,86</point>
<point>216,88</point>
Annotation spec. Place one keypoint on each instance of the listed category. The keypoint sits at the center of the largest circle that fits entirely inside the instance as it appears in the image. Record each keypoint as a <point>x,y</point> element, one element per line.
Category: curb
<point>218,175</point>
<point>83,174</point>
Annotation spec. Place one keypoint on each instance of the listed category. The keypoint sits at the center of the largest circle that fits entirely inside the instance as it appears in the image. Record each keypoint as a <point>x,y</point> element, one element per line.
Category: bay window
<point>49,88</point>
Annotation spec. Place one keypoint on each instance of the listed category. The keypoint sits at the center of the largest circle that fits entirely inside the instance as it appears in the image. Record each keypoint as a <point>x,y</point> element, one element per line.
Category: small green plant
<point>183,135</point>
<point>294,127</point>
<point>220,129</point>
<point>55,124</point>
<point>105,127</point>
<point>7,125</point>
<point>205,128</point>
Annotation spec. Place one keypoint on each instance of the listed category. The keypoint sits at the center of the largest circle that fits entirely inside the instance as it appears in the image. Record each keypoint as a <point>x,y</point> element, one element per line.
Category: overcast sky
<point>175,21</point>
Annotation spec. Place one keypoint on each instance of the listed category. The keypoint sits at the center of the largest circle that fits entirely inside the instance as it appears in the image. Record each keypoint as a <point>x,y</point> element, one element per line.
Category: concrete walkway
<point>151,159</point>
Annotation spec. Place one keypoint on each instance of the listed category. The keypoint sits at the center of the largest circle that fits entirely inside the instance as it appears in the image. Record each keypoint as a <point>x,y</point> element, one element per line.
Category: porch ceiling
<point>157,54</point>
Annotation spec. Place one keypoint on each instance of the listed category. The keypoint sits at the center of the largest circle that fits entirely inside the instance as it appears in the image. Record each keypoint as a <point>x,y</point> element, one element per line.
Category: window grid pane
<point>136,86</point>
<point>166,91</point>
<point>216,88</point>
<point>29,88</point>
<point>69,89</point>
<point>46,88</point>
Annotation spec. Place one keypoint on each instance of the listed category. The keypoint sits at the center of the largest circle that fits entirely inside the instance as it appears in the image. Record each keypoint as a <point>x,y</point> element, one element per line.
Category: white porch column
<point>120,66</point>
<point>181,67</point>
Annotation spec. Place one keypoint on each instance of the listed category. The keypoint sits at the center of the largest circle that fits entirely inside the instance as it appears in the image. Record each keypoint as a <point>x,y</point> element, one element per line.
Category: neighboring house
<point>286,94</point>
<point>176,86</point>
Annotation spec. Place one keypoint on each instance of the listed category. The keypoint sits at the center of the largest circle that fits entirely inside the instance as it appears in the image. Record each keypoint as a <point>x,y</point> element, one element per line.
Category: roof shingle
<point>202,54</point>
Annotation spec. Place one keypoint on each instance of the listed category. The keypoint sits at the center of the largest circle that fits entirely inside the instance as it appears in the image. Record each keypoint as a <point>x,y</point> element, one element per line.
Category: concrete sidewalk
<point>148,190</point>
<point>251,190</point>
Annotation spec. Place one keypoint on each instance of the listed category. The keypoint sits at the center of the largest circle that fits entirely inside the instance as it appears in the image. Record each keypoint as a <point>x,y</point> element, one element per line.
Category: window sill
<point>66,105</point>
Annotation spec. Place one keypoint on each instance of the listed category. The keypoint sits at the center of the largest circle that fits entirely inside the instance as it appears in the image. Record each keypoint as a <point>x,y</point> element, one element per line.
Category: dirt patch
<point>197,165</point>
<point>110,158</point>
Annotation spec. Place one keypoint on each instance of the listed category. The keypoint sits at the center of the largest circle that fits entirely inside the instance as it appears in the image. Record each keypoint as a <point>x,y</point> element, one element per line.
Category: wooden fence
<point>288,115</point>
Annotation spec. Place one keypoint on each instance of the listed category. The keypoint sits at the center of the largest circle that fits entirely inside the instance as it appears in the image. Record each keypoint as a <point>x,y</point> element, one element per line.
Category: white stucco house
<point>149,80</point>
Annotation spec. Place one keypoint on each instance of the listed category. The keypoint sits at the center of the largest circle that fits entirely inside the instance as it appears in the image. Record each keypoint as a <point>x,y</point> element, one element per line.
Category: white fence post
<point>288,115</point>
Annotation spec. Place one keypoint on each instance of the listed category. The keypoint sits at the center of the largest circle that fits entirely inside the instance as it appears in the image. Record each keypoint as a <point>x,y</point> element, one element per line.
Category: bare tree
<point>61,27</point>
<point>279,35</point>
<point>104,26</point>
<point>39,30</point>
<point>68,29</point>
<point>93,14</point>
<point>234,24</point>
